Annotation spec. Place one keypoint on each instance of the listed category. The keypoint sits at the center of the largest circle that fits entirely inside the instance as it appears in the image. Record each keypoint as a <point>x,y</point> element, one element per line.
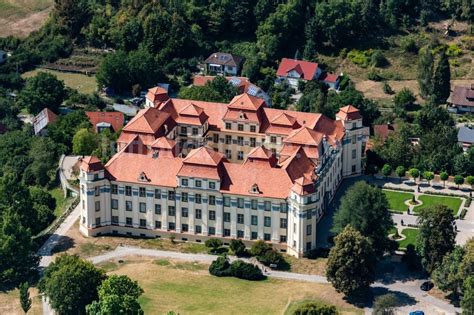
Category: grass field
<point>429,200</point>
<point>397,200</point>
<point>410,237</point>
<point>187,288</point>
<point>21,17</point>
<point>81,82</point>
<point>61,202</point>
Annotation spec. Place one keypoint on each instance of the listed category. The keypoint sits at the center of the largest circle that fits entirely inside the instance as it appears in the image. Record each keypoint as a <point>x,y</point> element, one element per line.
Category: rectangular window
<point>198,198</point>
<point>128,221</point>
<point>157,209</point>
<point>114,189</point>
<point>195,131</point>
<point>274,151</point>
<point>142,192</point>
<point>226,232</point>
<point>198,213</point>
<point>212,200</point>
<point>157,224</point>
<point>184,182</point>
<point>283,207</point>
<point>184,130</point>
<point>267,221</point>
<point>253,128</point>
<point>353,168</point>
<point>184,197</point>
<point>171,195</point>
<point>184,227</point>
<point>228,154</point>
<point>215,138</point>
<point>114,204</point>
<point>97,191</point>
<point>266,237</point>
<point>240,203</point>
<point>282,238</point>
<point>254,204</point>
<point>226,201</point>
<point>240,155</point>
<point>254,220</point>
<point>254,235</point>
<point>171,226</point>
<point>354,153</point>
<point>128,205</point>
<point>226,216</point>
<point>212,185</point>
<point>142,223</point>
<point>240,127</point>
<point>228,126</point>
<point>273,139</point>
<point>157,193</point>
<point>309,229</point>
<point>142,207</point>
<point>115,219</point>
<point>268,205</point>
<point>308,246</point>
<point>184,212</point>
<point>253,142</point>
<point>128,190</point>
<point>212,215</point>
<point>97,221</point>
<point>354,139</point>
<point>198,229</point>
<point>240,233</point>
<point>171,211</point>
<point>240,140</point>
<point>212,230</point>
<point>240,218</point>
<point>283,223</point>
<point>198,183</point>
<point>228,139</point>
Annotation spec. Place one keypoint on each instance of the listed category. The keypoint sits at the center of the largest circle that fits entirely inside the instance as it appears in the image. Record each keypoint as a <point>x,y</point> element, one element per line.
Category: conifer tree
<point>425,72</point>
<point>441,80</point>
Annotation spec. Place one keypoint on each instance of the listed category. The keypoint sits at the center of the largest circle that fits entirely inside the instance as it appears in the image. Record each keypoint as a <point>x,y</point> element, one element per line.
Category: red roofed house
<point>197,170</point>
<point>42,120</point>
<point>101,121</point>
<point>292,70</point>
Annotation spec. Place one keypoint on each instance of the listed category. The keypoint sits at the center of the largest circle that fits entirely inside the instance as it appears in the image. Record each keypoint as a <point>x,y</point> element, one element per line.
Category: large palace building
<point>196,170</point>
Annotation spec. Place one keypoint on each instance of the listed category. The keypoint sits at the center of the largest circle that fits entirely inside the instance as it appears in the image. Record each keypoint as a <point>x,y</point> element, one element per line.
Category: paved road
<point>410,288</point>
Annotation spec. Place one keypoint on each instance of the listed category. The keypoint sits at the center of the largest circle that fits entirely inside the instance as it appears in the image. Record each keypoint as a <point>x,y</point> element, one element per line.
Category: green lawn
<point>429,200</point>
<point>397,200</point>
<point>61,201</point>
<point>187,288</point>
<point>410,237</point>
<point>81,82</point>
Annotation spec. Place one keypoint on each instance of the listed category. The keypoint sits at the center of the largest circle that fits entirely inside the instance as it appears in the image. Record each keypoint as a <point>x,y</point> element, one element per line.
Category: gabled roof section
<point>204,156</point>
<point>305,136</point>
<point>303,186</point>
<point>191,110</point>
<point>349,112</point>
<point>227,59</point>
<point>91,164</point>
<point>157,95</point>
<point>147,121</point>
<point>246,102</point>
<point>260,153</point>
<point>45,117</point>
<point>283,120</point>
<point>164,143</point>
<point>305,68</point>
<point>115,119</point>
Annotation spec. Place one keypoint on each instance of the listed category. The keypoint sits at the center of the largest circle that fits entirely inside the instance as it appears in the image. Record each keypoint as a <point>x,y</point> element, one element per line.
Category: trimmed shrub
<point>220,267</point>
<point>314,308</point>
<point>259,248</point>
<point>238,247</point>
<point>213,244</point>
<point>374,76</point>
<point>378,59</point>
<point>408,44</point>
<point>242,270</point>
<point>272,257</point>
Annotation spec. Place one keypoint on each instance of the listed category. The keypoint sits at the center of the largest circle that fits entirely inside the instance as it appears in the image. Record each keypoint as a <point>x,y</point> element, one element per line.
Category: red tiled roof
<point>192,115</point>
<point>204,156</point>
<point>306,68</point>
<point>284,120</point>
<point>115,119</point>
<point>164,143</point>
<point>91,164</point>
<point>463,96</point>
<point>330,77</point>
<point>383,131</point>
<point>305,136</point>
<point>246,102</point>
<point>157,95</point>
<point>349,112</point>
<point>147,120</point>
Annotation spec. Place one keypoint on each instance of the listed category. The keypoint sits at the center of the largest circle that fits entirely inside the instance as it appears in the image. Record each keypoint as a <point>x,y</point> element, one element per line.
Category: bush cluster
<point>239,269</point>
<point>267,255</point>
<point>314,308</point>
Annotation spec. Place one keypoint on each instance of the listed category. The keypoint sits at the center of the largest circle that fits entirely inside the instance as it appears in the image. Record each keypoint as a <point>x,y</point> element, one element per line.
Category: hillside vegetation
<point>21,17</point>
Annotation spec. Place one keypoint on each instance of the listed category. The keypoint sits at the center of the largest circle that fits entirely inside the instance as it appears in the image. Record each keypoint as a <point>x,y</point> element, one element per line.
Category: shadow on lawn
<point>391,269</point>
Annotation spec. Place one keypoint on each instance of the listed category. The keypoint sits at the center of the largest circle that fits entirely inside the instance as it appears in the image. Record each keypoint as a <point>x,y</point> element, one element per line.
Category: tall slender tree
<point>441,80</point>
<point>425,72</point>
<point>25,299</point>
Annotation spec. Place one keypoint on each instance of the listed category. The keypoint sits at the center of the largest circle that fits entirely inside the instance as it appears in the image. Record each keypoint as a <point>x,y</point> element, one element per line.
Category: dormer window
<point>143,178</point>
<point>242,115</point>
<point>254,189</point>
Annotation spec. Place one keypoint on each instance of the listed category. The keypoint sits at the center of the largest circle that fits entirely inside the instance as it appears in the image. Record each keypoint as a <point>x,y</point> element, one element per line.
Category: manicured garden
<point>410,238</point>
<point>396,200</point>
<point>429,200</point>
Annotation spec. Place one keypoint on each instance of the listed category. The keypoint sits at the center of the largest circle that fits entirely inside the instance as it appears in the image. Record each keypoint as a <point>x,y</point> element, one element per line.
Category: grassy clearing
<point>61,201</point>
<point>307,266</point>
<point>410,235</point>
<point>81,82</point>
<point>184,291</point>
<point>428,200</point>
<point>10,303</point>
<point>397,200</point>
<point>21,8</point>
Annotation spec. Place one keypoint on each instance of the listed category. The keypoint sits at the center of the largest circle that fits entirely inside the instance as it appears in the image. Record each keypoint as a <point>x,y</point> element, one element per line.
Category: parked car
<point>427,285</point>
<point>417,313</point>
